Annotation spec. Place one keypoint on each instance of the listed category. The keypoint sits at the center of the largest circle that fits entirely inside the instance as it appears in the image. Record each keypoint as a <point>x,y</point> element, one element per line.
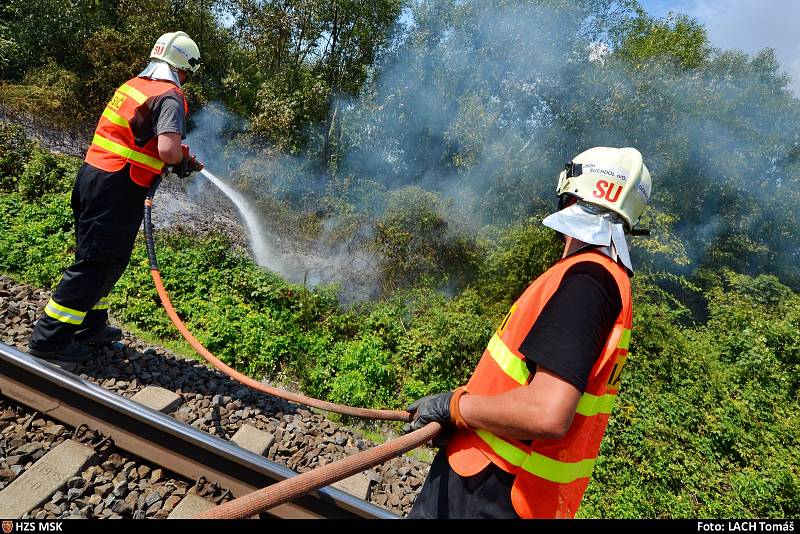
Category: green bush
<point>515,256</point>
<point>15,150</point>
<point>9,53</point>
<point>50,93</point>
<point>707,421</point>
<point>415,242</point>
<point>362,373</point>
<point>47,173</point>
<point>444,341</point>
<point>36,239</point>
<point>28,169</point>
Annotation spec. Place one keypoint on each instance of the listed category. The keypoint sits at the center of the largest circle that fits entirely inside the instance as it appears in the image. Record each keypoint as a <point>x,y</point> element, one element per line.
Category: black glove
<point>429,409</point>
<point>188,164</point>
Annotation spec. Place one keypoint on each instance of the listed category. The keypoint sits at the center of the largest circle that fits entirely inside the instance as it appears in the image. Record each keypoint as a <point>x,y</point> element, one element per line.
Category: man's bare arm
<point>542,409</point>
<point>169,148</point>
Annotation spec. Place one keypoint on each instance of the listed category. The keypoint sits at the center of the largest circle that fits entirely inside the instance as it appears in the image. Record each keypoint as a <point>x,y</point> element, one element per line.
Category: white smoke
<point>486,113</point>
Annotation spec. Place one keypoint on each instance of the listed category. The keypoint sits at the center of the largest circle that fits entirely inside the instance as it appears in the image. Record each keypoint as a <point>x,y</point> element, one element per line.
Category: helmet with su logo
<point>177,49</point>
<point>613,178</point>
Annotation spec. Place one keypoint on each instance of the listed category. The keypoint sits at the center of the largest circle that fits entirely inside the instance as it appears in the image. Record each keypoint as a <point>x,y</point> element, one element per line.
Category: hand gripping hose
<point>389,415</point>
<point>292,488</point>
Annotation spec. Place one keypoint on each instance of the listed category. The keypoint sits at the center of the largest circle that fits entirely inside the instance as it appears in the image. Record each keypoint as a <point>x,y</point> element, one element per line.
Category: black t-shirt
<point>571,330</point>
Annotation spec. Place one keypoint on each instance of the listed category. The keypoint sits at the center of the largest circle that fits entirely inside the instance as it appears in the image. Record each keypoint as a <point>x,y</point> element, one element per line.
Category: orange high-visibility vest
<point>114,145</point>
<point>551,474</point>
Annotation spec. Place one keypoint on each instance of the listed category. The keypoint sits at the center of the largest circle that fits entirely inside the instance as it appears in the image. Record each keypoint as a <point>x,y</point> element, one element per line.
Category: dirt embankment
<point>197,208</point>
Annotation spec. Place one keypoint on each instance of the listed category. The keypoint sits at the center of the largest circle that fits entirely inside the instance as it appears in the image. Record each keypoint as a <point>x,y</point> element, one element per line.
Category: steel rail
<point>162,440</point>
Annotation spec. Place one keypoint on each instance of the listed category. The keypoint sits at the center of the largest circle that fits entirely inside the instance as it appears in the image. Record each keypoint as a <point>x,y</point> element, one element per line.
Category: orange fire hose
<point>292,488</point>
<point>388,415</point>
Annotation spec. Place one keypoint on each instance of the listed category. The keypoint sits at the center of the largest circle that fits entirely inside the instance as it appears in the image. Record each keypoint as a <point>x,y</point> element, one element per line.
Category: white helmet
<point>177,49</point>
<point>613,178</point>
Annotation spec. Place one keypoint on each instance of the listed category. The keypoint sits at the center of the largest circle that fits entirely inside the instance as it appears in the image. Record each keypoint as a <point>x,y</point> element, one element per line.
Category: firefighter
<point>522,436</point>
<point>138,135</point>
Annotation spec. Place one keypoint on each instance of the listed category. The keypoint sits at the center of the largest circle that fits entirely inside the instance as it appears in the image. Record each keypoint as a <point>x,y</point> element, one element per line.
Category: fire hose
<point>294,487</point>
<point>291,488</point>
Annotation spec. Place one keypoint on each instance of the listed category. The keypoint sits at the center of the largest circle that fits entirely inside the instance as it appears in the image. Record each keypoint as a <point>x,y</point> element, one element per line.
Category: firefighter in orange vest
<point>138,135</point>
<point>522,436</point>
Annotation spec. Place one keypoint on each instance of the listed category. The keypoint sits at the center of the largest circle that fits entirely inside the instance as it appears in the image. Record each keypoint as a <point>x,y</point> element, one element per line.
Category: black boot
<point>74,352</point>
<point>99,335</point>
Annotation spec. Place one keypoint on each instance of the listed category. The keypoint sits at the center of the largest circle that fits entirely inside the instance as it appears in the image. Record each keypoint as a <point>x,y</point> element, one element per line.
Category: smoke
<point>262,185</point>
<point>482,102</point>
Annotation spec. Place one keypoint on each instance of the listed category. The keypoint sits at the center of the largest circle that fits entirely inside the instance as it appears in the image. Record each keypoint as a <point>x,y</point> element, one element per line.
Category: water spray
<point>262,250</point>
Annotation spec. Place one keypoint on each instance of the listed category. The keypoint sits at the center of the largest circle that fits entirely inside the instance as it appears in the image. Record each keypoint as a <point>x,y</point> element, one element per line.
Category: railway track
<point>35,485</point>
<point>211,405</point>
<point>160,439</point>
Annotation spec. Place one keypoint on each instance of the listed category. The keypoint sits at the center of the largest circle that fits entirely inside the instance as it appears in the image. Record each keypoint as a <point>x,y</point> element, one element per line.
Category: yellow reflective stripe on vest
<point>135,94</point>
<point>508,452</point>
<point>510,363</point>
<point>115,118</point>
<point>102,305</point>
<point>125,152</point>
<point>590,405</point>
<point>64,314</point>
<point>535,463</point>
<point>624,339</point>
<point>555,471</point>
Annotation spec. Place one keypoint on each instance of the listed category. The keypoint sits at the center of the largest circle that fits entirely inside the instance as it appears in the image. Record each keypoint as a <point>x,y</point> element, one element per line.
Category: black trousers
<point>447,495</point>
<point>108,210</point>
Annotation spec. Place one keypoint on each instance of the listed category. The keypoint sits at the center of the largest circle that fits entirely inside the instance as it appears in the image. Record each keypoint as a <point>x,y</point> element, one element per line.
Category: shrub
<point>47,173</point>
<point>10,52</point>
<point>28,169</point>
<point>36,239</point>
<point>15,150</point>
<point>515,256</point>
<point>415,243</point>
<point>51,93</point>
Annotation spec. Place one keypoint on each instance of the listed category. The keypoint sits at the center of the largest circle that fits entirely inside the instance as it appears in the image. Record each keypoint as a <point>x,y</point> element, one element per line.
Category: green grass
<point>423,454</point>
